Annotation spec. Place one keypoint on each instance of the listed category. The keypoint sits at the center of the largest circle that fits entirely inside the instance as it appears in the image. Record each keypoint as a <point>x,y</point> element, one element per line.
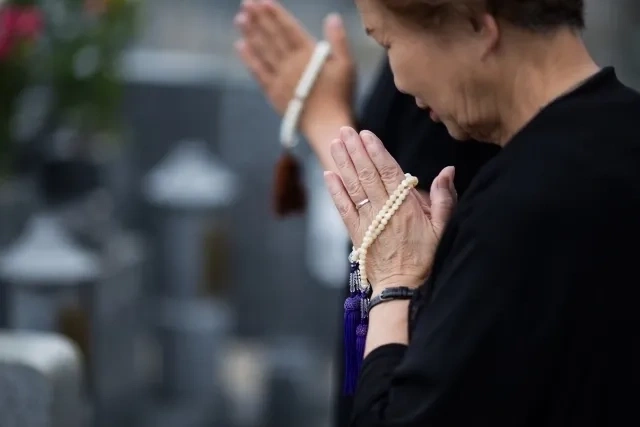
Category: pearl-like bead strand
<point>380,222</point>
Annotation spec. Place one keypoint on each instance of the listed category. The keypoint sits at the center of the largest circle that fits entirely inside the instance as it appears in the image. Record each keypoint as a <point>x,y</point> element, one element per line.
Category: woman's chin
<point>457,133</point>
<point>460,136</point>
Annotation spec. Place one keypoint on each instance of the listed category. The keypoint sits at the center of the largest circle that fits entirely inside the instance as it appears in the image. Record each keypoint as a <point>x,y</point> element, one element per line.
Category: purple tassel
<point>351,321</point>
<point>363,327</point>
<point>361,339</point>
<point>355,330</point>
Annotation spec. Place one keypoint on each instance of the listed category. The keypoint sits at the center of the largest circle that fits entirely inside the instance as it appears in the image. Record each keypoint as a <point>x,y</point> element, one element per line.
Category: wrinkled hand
<point>403,253</point>
<point>276,49</point>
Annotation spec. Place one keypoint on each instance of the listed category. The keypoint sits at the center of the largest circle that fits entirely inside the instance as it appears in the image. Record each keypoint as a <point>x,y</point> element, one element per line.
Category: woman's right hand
<point>276,49</point>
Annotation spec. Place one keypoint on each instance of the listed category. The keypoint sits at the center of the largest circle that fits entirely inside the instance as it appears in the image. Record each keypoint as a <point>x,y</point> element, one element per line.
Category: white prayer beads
<point>379,223</point>
<point>305,84</point>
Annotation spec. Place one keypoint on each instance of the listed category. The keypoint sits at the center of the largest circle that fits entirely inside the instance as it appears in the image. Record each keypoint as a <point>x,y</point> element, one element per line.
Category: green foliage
<point>83,67</point>
<point>76,54</point>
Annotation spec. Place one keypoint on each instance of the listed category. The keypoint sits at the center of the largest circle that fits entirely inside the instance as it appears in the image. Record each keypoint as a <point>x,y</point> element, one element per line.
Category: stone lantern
<point>190,189</point>
<point>42,268</point>
<point>55,285</point>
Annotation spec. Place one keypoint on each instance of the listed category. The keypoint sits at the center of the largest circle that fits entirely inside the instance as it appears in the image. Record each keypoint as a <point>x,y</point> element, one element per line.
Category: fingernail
<point>334,19</point>
<point>452,185</point>
<point>327,173</point>
<point>336,147</point>
<point>453,171</point>
<point>241,18</point>
<point>367,136</point>
<point>347,133</point>
<point>442,183</point>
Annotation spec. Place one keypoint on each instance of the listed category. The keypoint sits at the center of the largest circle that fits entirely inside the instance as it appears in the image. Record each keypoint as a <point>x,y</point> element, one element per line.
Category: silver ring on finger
<point>362,203</point>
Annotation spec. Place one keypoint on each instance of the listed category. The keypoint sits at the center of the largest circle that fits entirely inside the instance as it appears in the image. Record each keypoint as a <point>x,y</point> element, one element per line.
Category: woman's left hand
<point>403,253</point>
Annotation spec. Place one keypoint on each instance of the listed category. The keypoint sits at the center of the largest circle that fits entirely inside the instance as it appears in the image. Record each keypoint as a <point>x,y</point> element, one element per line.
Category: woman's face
<point>443,71</point>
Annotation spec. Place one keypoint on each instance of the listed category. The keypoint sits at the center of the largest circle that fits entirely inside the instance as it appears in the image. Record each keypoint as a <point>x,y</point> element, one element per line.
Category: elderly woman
<point>420,146</point>
<point>522,311</point>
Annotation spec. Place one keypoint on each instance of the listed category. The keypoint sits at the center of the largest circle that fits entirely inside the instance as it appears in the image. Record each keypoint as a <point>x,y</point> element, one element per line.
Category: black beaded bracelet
<point>390,294</point>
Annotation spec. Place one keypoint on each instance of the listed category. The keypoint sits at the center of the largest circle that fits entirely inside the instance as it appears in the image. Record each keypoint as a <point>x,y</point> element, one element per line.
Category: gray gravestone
<point>40,381</point>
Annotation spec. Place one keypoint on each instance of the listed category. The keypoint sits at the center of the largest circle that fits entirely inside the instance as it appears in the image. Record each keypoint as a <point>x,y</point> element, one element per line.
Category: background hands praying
<point>276,48</point>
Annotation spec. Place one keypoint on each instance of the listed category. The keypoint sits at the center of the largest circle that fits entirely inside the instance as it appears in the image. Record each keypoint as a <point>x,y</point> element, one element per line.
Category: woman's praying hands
<point>367,176</point>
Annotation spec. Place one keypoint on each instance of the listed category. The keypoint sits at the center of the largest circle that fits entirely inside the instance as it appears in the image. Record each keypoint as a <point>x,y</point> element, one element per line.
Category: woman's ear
<point>488,30</point>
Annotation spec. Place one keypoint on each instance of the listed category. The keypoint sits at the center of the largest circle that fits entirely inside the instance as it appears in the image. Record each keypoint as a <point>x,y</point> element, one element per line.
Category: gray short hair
<point>534,15</point>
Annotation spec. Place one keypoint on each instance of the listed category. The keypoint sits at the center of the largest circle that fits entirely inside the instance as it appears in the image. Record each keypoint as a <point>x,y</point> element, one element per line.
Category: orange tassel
<point>289,193</point>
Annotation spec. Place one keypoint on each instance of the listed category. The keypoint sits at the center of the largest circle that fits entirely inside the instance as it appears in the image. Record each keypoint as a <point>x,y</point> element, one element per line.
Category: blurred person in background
<point>517,306</point>
<point>276,49</point>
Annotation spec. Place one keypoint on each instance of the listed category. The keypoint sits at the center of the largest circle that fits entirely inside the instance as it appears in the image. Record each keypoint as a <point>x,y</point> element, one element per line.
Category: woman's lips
<point>424,106</point>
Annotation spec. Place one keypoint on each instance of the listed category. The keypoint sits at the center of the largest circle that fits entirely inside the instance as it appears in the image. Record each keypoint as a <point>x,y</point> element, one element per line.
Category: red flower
<point>7,25</point>
<point>18,24</point>
<point>29,24</point>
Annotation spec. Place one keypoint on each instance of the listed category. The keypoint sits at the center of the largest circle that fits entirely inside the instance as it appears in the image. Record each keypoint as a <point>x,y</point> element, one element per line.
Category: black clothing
<point>528,318</point>
<point>422,148</point>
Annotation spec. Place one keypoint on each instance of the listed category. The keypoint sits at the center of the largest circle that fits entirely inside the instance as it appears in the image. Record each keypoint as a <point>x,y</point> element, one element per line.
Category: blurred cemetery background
<point>144,280</point>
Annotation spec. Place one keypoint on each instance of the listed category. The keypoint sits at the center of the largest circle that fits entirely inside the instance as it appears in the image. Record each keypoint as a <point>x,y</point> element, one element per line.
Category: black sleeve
<point>480,349</point>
